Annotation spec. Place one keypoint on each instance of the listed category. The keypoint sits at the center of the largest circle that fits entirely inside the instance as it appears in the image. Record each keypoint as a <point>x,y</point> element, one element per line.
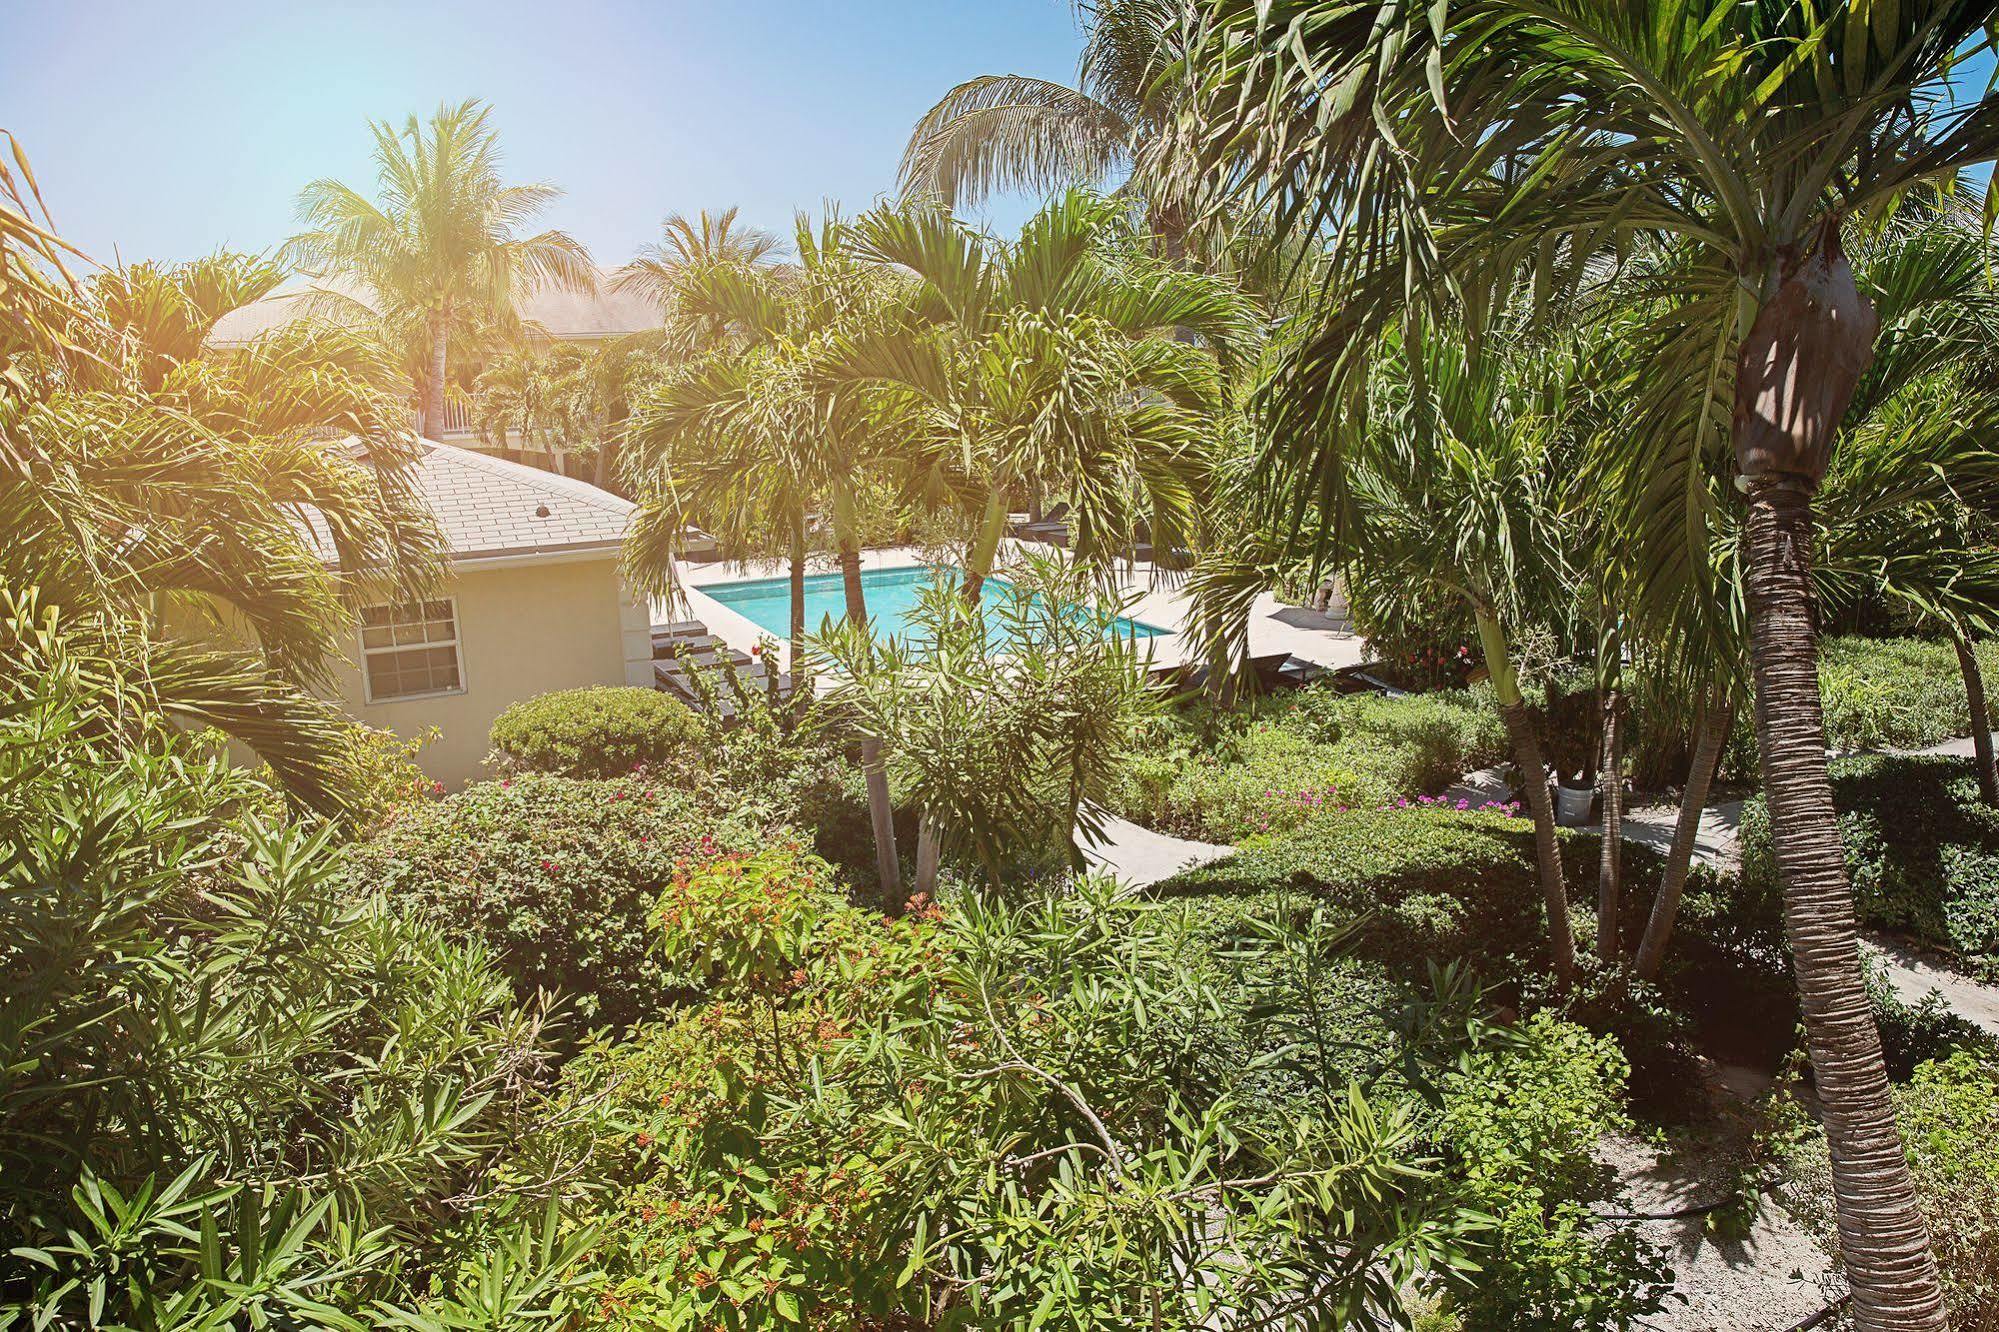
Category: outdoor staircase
<point>686,646</point>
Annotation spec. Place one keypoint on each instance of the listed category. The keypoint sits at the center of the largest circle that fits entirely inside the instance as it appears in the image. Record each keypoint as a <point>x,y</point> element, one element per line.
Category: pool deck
<point>1157,598</point>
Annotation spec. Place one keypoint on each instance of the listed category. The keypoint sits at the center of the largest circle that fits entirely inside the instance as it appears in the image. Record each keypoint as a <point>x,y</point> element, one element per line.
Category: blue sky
<point>165,130</point>
<point>168,129</point>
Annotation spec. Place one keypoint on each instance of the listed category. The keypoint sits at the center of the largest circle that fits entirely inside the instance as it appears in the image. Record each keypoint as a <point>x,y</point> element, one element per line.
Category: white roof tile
<point>488,507</point>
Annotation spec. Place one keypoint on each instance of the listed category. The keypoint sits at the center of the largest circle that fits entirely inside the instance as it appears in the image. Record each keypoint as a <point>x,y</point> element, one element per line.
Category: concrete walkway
<point>1914,974</point>
<point>1138,857</point>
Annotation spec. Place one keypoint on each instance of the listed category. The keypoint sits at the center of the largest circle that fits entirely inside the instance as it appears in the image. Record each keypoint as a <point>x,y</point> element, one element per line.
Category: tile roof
<point>566,316</point>
<point>489,507</point>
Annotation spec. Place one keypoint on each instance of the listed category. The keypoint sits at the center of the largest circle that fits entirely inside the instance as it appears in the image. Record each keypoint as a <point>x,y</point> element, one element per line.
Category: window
<point>411,650</point>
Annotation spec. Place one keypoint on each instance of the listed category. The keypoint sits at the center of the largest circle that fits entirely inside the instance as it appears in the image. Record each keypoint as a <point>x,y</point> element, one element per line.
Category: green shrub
<point>1427,884</point>
<point>1922,848</point>
<point>233,1097</point>
<point>984,1117</point>
<point>556,876</point>
<point>604,731</point>
<point>1519,1124</point>
<point>1304,751</point>
<point>1894,693</point>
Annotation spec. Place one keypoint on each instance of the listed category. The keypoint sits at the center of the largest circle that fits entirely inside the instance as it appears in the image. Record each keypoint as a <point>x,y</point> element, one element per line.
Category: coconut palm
<point>440,245</point>
<point>1448,145</point>
<point>761,434</point>
<point>1065,361</point>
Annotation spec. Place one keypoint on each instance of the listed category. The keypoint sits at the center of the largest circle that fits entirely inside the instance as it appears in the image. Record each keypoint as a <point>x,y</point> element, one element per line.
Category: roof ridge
<point>594,496</point>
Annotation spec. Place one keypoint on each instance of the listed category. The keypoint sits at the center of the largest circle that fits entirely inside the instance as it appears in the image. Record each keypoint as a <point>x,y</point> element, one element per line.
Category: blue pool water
<point>892,594</point>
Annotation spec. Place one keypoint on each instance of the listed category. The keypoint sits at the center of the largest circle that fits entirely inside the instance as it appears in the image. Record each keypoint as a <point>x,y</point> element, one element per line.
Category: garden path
<point>1138,857</point>
<point>1912,972</point>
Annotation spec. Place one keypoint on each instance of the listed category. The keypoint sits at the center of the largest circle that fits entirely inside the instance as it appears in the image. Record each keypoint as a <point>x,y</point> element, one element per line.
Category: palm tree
<point>1454,493</point>
<point>146,481</point>
<point>1893,512</point>
<point>440,246</point>
<point>762,432</point>
<point>685,244</point>
<point>1008,132</point>
<point>1446,146</point>
<point>1065,361</point>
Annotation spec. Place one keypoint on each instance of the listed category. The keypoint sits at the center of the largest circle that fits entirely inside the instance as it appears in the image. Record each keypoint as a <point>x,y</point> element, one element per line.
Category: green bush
<point>1426,884</point>
<point>233,1097</point>
<point>983,1116</point>
<point>604,731</point>
<point>556,876</point>
<point>1519,1124</point>
<point>1895,693</point>
<point>1922,848</point>
<point>1305,751</point>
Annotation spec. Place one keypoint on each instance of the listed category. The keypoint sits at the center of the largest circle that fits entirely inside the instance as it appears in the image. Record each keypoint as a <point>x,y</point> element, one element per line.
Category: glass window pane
<point>376,637</point>
<point>409,633</point>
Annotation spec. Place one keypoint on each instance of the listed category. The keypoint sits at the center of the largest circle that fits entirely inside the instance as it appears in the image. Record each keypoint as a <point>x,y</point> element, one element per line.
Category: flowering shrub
<point>557,876</point>
<point>982,1118</point>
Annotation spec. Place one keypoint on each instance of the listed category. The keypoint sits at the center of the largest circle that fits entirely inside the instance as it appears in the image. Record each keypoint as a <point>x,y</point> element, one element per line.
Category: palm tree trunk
<point>984,551</point>
<point>1881,1233</point>
<point>1981,719</point>
<point>880,812</point>
<point>1610,862</point>
<point>798,594</point>
<point>433,398</point>
<point>1534,785</point>
<point>1711,732</point>
<point>929,855</point>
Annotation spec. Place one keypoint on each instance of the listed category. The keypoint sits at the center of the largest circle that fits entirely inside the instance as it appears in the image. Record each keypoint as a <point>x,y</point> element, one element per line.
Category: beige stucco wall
<point>523,629</point>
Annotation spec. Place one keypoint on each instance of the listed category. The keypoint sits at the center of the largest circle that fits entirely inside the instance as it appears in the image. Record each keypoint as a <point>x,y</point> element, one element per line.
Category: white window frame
<point>456,643</point>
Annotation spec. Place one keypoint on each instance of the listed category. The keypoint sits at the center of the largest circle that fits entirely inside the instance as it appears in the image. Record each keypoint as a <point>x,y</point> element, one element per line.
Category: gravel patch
<point>1771,1279</point>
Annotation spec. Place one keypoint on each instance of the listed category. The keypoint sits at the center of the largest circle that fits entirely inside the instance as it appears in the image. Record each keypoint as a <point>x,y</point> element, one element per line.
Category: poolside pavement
<point>1158,597</point>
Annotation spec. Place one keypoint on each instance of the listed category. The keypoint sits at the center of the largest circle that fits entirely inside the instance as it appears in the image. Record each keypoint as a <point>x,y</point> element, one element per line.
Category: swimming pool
<point>892,596</point>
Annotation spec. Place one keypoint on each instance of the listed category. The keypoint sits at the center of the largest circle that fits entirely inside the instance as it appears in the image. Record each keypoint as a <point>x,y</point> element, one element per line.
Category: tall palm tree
<point>1892,514</point>
<point>762,431</point>
<point>1454,493</point>
<point>998,133</point>
<point>440,245</point>
<point>1446,145</point>
<point>1065,361</point>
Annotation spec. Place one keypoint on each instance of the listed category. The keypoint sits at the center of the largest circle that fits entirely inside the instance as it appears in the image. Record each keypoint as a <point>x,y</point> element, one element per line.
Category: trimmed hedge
<point>1922,848</point>
<point>604,731</point>
<point>1429,885</point>
<point>557,876</point>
